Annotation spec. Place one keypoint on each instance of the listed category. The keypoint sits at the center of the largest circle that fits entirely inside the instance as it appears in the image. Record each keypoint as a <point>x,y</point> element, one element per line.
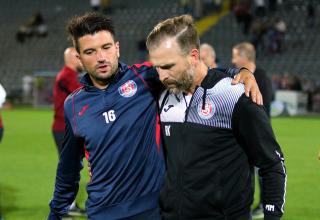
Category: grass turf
<point>28,160</point>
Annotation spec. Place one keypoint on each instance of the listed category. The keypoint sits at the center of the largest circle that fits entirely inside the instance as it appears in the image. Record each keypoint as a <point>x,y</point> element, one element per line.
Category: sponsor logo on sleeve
<point>82,111</point>
<point>270,208</point>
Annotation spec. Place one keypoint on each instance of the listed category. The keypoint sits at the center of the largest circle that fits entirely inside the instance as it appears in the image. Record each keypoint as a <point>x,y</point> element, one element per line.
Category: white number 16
<point>109,116</point>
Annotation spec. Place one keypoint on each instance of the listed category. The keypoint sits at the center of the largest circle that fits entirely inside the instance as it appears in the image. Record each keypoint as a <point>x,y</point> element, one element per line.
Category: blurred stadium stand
<point>133,20</point>
<point>300,53</point>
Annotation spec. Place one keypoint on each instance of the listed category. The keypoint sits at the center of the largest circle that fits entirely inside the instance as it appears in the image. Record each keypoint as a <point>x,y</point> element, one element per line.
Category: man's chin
<point>174,90</point>
<point>104,77</point>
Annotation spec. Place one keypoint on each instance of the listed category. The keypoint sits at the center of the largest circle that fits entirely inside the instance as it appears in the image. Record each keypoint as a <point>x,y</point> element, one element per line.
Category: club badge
<point>208,111</point>
<point>128,89</point>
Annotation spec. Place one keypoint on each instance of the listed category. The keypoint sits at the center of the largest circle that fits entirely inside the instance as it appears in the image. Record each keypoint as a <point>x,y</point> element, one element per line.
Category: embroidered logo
<point>84,108</point>
<point>208,110</point>
<point>128,89</point>
<point>270,208</point>
<point>167,108</point>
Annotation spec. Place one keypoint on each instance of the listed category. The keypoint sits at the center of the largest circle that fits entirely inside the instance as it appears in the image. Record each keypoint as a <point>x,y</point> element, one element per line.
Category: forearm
<point>66,188</point>
<point>254,133</point>
<point>54,216</point>
<point>273,190</point>
<point>230,71</point>
<point>68,173</point>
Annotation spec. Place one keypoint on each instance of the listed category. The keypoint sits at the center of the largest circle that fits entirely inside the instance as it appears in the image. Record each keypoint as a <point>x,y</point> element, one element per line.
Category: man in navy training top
<point>112,121</point>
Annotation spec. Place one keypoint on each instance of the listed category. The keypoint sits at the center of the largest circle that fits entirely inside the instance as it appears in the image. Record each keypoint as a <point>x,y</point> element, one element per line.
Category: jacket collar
<point>213,77</point>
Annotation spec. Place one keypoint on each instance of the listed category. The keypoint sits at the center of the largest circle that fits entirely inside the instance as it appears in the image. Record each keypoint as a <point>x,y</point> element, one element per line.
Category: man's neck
<point>213,65</point>
<point>200,73</point>
<point>103,84</point>
<point>100,85</point>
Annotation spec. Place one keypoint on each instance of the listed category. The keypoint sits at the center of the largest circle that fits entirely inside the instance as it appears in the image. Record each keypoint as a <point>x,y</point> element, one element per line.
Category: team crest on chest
<point>208,110</point>
<point>128,89</point>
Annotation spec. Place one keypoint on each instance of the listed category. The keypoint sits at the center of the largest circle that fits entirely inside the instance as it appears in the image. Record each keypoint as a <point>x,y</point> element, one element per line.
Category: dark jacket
<point>211,146</point>
<point>265,86</point>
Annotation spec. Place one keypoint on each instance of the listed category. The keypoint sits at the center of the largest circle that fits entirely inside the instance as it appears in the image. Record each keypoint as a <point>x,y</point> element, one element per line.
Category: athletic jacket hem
<point>126,209</point>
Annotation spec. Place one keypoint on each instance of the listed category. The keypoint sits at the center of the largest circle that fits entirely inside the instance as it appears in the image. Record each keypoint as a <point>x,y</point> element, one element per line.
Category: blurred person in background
<point>311,14</point>
<point>34,26</point>
<point>244,55</point>
<point>208,55</point>
<point>65,83</point>
<point>95,5</point>
<point>2,100</point>
<point>261,8</point>
<point>243,15</point>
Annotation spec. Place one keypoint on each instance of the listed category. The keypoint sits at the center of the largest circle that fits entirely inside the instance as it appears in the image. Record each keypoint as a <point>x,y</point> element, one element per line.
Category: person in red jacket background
<point>65,83</point>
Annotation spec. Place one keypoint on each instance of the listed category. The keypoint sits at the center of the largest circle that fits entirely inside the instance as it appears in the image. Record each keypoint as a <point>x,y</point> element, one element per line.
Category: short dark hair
<point>89,23</point>
<point>181,27</point>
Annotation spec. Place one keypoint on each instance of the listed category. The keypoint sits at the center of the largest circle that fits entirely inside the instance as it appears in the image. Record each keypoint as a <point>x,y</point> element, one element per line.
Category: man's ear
<point>78,56</point>
<point>118,48</point>
<point>79,59</point>
<point>195,56</point>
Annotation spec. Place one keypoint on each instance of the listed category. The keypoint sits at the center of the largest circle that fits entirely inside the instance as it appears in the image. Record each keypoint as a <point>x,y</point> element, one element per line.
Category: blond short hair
<point>209,48</point>
<point>246,50</point>
<point>182,28</point>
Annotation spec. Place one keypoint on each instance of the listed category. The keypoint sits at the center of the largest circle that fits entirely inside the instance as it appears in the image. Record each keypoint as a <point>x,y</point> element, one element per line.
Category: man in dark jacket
<point>213,135</point>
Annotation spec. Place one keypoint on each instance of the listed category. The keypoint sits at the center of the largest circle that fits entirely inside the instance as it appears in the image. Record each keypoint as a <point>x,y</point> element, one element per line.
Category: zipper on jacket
<point>181,165</point>
<point>181,176</point>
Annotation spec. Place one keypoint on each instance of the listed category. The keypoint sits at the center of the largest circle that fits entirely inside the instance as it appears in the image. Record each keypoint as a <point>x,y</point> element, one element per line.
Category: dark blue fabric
<point>117,128</point>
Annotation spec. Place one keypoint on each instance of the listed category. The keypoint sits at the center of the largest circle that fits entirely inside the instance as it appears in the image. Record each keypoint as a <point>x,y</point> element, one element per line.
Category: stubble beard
<point>104,80</point>
<point>183,84</point>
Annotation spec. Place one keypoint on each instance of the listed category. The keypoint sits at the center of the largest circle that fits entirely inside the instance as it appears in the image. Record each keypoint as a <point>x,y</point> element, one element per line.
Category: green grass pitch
<point>28,161</point>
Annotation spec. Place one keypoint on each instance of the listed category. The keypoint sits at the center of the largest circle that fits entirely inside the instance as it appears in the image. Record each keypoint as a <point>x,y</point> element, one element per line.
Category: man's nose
<point>163,74</point>
<point>101,56</point>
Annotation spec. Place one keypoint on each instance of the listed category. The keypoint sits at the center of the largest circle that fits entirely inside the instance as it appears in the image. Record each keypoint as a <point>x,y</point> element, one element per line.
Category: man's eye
<point>166,67</point>
<point>89,52</point>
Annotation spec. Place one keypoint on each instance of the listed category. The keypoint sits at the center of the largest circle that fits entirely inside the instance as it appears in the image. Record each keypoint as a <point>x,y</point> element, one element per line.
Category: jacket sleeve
<point>68,174</point>
<point>230,71</point>
<point>254,133</point>
<point>148,74</point>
